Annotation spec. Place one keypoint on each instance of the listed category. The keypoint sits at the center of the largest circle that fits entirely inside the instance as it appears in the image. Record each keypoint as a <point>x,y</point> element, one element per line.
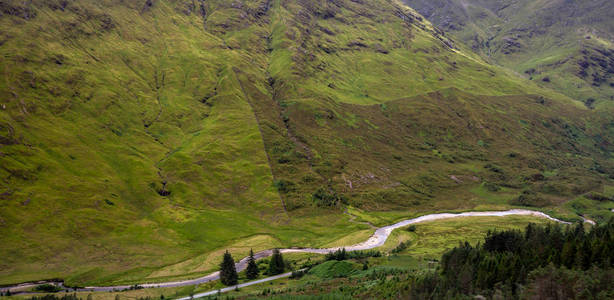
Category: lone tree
<point>228,272</point>
<point>276,266</point>
<point>252,268</point>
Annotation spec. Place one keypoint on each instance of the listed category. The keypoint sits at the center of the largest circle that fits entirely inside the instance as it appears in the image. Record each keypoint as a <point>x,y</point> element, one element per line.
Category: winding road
<point>376,240</point>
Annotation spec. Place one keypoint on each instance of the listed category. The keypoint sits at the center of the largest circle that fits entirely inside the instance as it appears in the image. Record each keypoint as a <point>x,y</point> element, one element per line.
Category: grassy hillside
<point>425,244</point>
<point>139,139</point>
<point>563,45</point>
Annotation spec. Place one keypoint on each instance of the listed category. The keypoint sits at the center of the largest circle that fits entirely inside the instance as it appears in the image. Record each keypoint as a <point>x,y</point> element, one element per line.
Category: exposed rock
<point>356,43</point>
<point>7,134</point>
<point>147,6</point>
<point>379,48</point>
<point>187,7</point>
<point>22,10</point>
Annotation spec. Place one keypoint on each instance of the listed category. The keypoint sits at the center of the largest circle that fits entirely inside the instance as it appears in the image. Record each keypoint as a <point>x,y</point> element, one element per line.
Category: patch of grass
<point>598,211</point>
<point>432,239</point>
<point>499,196</point>
<point>334,269</point>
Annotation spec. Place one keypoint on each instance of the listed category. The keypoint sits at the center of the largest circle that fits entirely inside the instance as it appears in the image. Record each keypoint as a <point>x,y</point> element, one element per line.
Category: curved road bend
<point>376,240</point>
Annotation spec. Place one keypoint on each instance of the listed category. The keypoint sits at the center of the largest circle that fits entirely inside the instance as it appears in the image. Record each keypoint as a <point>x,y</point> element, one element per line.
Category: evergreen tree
<point>252,269</point>
<point>228,271</point>
<point>276,266</point>
<point>339,254</point>
<point>506,259</point>
<point>568,254</point>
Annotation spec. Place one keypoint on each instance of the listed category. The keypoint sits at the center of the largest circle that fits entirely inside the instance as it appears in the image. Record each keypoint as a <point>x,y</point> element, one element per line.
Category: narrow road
<point>376,240</point>
<point>238,286</point>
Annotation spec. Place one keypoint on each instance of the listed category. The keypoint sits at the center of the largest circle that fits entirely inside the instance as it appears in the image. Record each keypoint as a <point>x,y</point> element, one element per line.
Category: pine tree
<point>228,271</point>
<point>568,254</point>
<point>252,269</point>
<point>276,266</point>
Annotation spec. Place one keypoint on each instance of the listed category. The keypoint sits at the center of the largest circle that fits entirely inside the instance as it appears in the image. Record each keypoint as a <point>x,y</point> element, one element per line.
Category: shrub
<point>54,297</point>
<point>493,168</point>
<point>363,254</point>
<point>491,187</point>
<point>402,246</point>
<point>598,197</point>
<point>284,186</point>
<point>328,197</point>
<point>529,198</point>
<point>49,288</point>
<point>298,274</point>
<point>342,254</point>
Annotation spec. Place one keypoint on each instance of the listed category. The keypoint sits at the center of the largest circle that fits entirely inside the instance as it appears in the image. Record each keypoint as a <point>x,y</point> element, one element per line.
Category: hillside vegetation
<point>564,45</point>
<point>540,262</point>
<point>140,139</point>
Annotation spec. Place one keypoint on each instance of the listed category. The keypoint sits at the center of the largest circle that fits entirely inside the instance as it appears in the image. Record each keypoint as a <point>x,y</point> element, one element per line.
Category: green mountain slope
<point>564,45</point>
<point>139,139</point>
<point>105,112</point>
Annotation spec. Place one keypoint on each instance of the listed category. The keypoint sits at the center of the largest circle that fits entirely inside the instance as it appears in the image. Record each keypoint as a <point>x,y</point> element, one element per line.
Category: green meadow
<point>140,140</point>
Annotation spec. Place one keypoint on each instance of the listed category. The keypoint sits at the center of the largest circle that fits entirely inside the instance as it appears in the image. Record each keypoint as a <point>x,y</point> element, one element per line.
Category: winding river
<point>376,240</point>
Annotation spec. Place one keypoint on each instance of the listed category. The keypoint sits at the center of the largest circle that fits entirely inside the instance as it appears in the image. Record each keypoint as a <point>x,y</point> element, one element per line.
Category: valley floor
<point>430,240</point>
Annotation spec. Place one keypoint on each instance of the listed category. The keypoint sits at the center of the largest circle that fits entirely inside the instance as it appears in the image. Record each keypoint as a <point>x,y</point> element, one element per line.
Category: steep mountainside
<point>564,45</point>
<point>139,139</point>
